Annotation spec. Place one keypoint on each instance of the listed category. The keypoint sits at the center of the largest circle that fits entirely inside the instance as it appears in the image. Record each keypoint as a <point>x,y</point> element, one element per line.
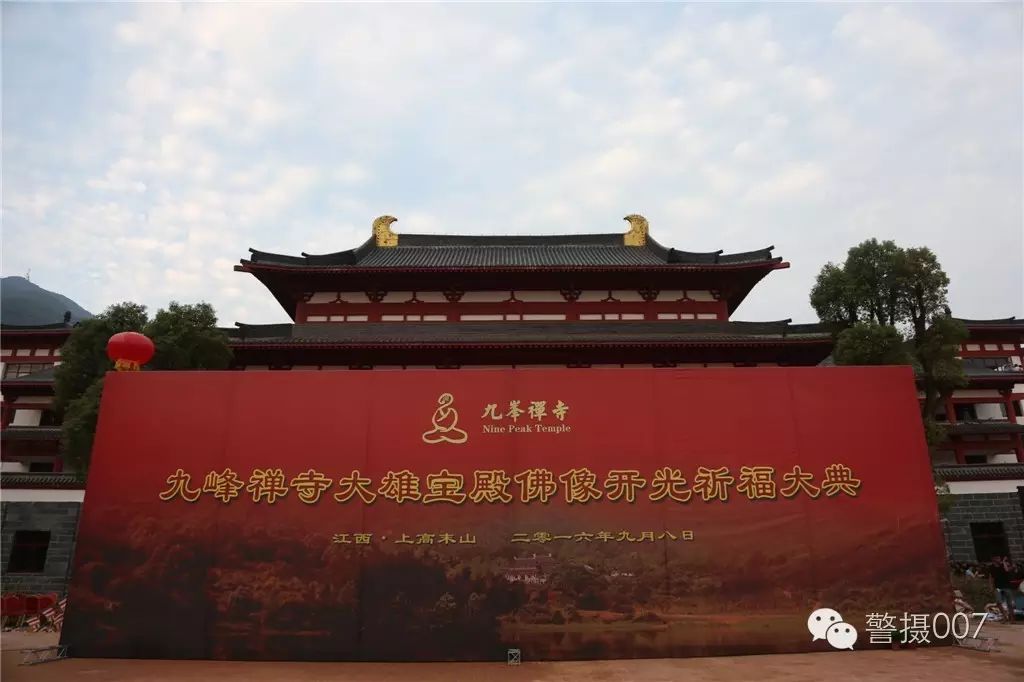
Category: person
<point>971,572</point>
<point>999,572</point>
<point>960,604</point>
<point>1017,579</point>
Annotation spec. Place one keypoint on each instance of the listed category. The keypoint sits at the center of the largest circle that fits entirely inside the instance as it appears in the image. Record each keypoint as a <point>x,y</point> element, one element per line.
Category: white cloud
<point>791,182</point>
<point>352,173</point>
<point>728,92</point>
<point>205,129</point>
<point>891,34</point>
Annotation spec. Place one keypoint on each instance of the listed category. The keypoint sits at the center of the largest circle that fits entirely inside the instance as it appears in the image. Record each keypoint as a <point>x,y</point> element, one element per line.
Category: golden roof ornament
<point>382,233</point>
<point>637,235</point>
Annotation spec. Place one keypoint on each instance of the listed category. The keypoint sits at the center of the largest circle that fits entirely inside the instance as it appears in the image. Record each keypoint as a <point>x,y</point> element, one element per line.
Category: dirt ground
<point>946,663</point>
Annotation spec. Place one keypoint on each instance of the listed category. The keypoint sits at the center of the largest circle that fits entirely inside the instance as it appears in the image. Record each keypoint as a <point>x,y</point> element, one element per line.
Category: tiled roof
<point>980,472</point>
<point>509,256</point>
<point>985,426</point>
<point>980,376</point>
<point>43,376</point>
<point>542,251</point>
<point>996,322</point>
<point>54,326</point>
<point>61,480</point>
<point>30,433</point>
<point>529,333</point>
<point>987,372</point>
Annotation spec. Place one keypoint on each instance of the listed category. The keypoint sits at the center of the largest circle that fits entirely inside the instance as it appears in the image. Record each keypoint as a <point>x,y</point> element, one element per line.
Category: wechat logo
<point>827,624</point>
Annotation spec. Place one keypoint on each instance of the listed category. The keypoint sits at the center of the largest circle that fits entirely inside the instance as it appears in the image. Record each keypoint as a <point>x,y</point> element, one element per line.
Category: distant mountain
<point>22,302</point>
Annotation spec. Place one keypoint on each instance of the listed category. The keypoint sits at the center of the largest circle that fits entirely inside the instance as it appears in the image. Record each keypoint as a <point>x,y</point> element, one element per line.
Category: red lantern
<point>129,350</point>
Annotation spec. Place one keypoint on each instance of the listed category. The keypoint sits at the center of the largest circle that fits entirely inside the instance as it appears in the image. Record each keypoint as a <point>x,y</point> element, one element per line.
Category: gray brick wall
<point>985,507</point>
<point>61,519</point>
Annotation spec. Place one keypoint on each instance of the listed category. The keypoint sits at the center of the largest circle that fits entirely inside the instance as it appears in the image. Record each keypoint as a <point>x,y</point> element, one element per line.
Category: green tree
<point>79,425</point>
<point>834,298</point>
<point>84,355</point>
<point>185,337</point>
<point>870,343</point>
<point>875,272</point>
<point>888,305</point>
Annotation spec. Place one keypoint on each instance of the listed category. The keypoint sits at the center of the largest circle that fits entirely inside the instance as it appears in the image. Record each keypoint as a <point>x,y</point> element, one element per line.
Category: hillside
<point>25,303</point>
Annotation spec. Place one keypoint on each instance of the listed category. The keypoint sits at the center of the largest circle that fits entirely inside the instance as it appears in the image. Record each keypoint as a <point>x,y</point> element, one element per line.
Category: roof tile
<point>455,251</point>
<point>505,333</point>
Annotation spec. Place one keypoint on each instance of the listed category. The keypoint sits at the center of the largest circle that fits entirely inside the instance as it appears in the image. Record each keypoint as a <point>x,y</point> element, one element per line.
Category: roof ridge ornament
<point>637,235</point>
<point>382,233</point>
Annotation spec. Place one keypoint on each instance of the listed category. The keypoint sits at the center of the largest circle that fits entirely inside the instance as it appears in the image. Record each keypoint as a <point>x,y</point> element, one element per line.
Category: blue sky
<point>146,147</point>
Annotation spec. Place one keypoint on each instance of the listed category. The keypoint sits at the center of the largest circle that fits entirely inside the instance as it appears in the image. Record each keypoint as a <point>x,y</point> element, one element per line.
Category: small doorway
<point>989,540</point>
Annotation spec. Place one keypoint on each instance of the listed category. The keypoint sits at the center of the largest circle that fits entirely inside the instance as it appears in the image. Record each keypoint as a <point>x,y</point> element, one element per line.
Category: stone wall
<point>61,519</point>
<point>983,507</point>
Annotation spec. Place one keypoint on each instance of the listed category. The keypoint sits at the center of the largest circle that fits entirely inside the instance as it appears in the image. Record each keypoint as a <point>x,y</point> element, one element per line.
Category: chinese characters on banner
<point>536,410</point>
<point>538,537</point>
<point>496,486</point>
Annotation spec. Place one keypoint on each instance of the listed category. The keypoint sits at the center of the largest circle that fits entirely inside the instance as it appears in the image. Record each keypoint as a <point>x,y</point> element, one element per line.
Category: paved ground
<point>931,665</point>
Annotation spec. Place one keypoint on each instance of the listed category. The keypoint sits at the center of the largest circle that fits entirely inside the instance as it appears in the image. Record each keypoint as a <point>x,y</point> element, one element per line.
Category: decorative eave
<point>977,427</point>
<point>980,472</point>
<point>53,328</point>
<point>1006,329</point>
<point>998,324</point>
<point>426,262</point>
<point>37,383</point>
<point>519,342</point>
<point>255,267</point>
<point>569,345</point>
<point>15,389</point>
<point>995,379</point>
<point>289,285</point>
<point>50,481</point>
<point>503,333</point>
<point>13,334</point>
<point>981,378</point>
<point>30,433</point>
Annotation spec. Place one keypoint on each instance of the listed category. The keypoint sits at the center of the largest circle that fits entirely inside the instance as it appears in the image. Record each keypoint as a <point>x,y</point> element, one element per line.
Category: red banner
<point>452,515</point>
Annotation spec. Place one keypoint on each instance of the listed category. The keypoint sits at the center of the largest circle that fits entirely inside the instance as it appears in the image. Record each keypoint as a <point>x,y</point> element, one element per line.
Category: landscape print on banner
<point>411,516</point>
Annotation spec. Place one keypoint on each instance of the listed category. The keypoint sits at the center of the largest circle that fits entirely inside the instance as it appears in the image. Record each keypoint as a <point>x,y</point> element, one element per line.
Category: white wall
<point>989,411</point>
<point>33,400</point>
<point>974,487</point>
<point>27,417</point>
<point>977,393</point>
